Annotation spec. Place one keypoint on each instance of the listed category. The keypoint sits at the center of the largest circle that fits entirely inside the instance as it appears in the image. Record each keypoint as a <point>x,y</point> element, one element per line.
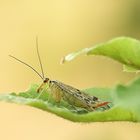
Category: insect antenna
<point>27,66</point>
<point>39,57</point>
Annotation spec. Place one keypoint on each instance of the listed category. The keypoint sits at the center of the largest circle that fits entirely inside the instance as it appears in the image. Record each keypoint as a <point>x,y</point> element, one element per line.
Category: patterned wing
<point>76,92</point>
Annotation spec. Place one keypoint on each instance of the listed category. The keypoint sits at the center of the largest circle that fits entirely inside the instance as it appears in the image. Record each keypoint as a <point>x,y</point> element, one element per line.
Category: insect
<point>60,91</point>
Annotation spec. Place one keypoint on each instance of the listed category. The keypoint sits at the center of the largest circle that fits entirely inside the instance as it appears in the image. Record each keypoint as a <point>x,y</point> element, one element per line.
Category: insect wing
<point>71,90</point>
<point>79,95</point>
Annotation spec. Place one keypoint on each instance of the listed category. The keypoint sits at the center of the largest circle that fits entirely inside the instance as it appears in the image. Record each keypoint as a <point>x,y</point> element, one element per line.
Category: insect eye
<point>94,98</point>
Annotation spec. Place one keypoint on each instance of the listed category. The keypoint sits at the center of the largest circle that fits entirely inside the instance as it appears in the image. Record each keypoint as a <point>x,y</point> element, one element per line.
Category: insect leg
<point>49,97</point>
<point>57,96</point>
<point>40,87</point>
<point>41,92</point>
<point>56,93</point>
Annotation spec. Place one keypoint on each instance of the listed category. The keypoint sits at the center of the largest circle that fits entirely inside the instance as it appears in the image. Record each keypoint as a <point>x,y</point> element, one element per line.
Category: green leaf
<point>125,103</point>
<point>123,49</point>
<point>130,69</point>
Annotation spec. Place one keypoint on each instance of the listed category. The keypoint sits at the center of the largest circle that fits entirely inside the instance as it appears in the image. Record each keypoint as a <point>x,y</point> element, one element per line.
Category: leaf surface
<point>123,49</point>
<point>125,103</point>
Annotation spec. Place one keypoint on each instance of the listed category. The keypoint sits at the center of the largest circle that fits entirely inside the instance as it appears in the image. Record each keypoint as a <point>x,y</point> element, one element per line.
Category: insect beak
<point>46,80</point>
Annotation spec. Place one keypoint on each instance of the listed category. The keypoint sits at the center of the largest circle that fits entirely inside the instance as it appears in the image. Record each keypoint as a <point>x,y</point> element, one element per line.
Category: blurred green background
<point>63,26</point>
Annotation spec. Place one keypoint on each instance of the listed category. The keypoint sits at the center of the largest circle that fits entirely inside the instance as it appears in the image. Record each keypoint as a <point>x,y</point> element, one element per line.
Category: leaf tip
<point>62,61</point>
